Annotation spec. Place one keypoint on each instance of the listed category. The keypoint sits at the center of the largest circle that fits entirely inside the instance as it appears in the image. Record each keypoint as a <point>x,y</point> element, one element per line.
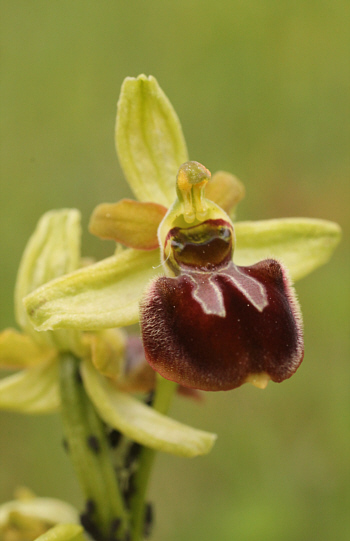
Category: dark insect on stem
<point>132,454</point>
<point>115,525</point>
<point>149,398</point>
<point>149,518</point>
<point>114,438</point>
<point>65,445</point>
<point>94,444</point>
<point>129,491</point>
<point>87,520</point>
<point>78,377</point>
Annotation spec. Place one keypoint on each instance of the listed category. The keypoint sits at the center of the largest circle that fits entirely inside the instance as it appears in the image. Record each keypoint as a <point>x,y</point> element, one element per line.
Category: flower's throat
<point>205,246</point>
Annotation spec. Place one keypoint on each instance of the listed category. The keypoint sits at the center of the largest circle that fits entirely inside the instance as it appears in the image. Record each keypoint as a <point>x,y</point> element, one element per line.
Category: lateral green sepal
<point>302,244</point>
<point>100,296</point>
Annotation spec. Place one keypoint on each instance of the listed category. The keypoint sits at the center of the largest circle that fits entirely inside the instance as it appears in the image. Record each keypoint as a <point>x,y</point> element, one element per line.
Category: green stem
<point>163,396</point>
<point>90,454</point>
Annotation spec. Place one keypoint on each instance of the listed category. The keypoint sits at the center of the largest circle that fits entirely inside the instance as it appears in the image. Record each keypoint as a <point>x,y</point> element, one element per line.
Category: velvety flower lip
<point>189,343</point>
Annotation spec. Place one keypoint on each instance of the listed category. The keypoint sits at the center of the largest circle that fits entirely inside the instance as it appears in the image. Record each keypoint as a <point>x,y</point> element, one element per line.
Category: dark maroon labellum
<point>216,330</point>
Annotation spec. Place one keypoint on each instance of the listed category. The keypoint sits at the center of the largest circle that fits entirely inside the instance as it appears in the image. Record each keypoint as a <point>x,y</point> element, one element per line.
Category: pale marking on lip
<point>252,289</point>
<point>209,295</point>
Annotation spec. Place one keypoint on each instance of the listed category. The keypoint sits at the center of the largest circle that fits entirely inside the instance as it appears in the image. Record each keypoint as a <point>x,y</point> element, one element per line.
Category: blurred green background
<point>262,91</point>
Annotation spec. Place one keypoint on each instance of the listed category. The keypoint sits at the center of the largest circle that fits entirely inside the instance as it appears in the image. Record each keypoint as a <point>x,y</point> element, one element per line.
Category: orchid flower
<point>217,303</point>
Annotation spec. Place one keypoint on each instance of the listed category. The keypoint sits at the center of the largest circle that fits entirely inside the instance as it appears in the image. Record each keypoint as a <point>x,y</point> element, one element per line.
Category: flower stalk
<point>164,393</point>
<point>105,517</point>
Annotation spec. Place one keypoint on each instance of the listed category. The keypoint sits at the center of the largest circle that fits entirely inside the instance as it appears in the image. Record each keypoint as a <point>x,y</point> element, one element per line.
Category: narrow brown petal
<point>129,222</point>
<point>212,351</point>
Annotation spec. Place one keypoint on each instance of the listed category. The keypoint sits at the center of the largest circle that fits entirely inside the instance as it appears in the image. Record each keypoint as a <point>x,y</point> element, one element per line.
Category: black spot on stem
<point>94,444</point>
<point>114,438</point>
<point>149,518</point>
<point>65,445</point>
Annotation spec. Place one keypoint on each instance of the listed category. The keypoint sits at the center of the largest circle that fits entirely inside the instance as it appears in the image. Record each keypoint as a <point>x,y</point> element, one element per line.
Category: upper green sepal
<point>149,139</point>
<point>301,244</point>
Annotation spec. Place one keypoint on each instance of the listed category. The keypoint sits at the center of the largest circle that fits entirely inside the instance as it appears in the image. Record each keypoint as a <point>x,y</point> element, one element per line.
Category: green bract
<point>52,251</point>
<point>151,148</point>
<point>140,423</point>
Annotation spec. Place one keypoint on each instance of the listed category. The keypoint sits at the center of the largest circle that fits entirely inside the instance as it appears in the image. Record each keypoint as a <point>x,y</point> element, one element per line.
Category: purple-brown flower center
<point>205,246</point>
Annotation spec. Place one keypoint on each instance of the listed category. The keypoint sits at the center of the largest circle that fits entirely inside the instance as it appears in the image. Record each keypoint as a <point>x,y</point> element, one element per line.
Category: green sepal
<point>53,250</point>
<point>142,423</point>
<point>100,296</point>
<point>63,532</point>
<point>149,139</point>
<point>34,390</point>
<point>302,244</point>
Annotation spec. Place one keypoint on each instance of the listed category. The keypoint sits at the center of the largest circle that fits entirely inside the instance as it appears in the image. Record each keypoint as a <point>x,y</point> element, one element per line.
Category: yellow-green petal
<point>141,423</point>
<point>53,250</point>
<point>302,244</point>
<point>18,350</point>
<point>129,222</point>
<point>225,190</point>
<point>34,390</point>
<point>149,139</point>
<point>63,532</point>
<point>101,296</point>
